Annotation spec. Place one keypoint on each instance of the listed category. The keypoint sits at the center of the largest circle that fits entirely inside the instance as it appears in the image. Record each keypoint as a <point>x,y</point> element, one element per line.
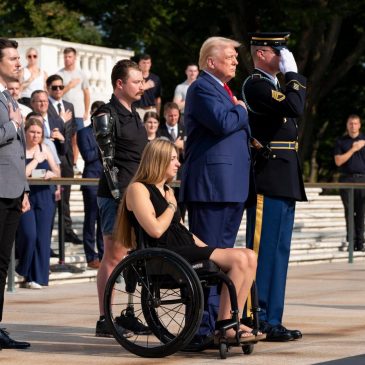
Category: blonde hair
<point>30,50</point>
<point>155,160</point>
<point>212,46</point>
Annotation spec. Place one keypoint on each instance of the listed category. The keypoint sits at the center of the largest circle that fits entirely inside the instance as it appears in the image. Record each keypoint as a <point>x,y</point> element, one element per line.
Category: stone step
<point>325,257</point>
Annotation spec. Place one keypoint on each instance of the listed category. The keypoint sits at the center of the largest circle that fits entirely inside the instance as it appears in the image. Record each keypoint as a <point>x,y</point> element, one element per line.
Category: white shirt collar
<point>214,77</point>
<point>274,79</point>
<point>55,102</point>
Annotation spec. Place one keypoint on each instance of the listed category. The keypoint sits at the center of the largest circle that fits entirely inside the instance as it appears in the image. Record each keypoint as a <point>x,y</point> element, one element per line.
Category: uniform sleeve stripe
<point>297,82</point>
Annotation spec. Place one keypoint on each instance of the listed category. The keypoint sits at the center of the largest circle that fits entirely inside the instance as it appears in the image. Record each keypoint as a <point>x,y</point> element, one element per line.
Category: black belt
<point>284,145</point>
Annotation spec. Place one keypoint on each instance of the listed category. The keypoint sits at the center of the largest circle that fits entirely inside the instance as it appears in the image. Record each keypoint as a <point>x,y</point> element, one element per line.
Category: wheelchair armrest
<point>205,267</point>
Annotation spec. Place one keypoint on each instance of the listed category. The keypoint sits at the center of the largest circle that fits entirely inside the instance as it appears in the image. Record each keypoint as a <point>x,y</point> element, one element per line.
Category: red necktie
<point>229,91</point>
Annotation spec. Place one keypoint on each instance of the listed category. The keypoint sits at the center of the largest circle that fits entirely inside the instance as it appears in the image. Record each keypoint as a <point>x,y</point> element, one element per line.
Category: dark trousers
<point>33,240</point>
<point>67,171</point>
<point>10,210</point>
<point>269,231</point>
<point>359,204</point>
<point>216,224</point>
<point>90,237</point>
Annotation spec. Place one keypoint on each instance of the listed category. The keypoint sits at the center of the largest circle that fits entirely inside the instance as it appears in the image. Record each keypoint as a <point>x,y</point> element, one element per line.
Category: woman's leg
<point>240,266</point>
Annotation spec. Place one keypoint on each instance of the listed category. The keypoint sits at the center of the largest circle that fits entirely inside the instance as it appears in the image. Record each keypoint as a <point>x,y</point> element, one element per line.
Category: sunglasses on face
<point>32,56</point>
<point>57,87</point>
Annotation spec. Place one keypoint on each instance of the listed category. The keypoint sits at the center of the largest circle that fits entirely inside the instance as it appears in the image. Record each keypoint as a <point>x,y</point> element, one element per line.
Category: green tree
<point>328,40</point>
<point>53,19</point>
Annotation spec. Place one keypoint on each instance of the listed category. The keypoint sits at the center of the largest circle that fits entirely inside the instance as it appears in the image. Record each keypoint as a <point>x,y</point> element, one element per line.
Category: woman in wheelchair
<point>150,203</point>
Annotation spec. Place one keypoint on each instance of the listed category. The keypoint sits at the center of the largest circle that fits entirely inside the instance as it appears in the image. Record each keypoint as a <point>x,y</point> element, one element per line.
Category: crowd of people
<point>230,154</point>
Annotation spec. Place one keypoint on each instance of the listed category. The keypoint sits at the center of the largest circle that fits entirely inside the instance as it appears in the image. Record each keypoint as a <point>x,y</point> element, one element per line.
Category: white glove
<point>287,62</point>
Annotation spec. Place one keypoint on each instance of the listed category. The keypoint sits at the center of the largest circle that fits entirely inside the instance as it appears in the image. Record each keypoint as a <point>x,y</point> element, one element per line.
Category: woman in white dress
<point>32,78</point>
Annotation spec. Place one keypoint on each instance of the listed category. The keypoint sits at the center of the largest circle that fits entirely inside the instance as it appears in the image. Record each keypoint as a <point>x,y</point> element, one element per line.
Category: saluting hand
<point>15,114</point>
<point>170,197</point>
<point>287,62</point>
<point>358,145</point>
<point>56,134</point>
<point>179,143</point>
<point>239,102</point>
<point>66,115</point>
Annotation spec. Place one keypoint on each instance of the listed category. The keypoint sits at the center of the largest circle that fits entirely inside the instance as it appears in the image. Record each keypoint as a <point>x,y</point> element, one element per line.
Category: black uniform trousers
<point>359,208</point>
<point>67,171</point>
<point>10,211</point>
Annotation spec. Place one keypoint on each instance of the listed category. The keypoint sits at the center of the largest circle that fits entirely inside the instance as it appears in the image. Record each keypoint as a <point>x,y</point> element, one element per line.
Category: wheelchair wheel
<point>223,349</point>
<point>167,297</point>
<point>247,349</point>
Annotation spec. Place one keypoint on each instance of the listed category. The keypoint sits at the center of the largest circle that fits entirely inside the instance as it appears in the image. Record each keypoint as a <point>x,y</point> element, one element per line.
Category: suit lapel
<point>4,100</point>
<point>216,85</point>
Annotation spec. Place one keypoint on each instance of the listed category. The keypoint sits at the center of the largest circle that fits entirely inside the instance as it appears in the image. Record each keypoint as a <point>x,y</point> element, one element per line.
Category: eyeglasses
<point>57,87</point>
<point>32,56</point>
<point>274,51</point>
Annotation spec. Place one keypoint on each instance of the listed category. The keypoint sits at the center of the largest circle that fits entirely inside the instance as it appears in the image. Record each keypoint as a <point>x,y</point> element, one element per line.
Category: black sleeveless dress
<point>176,238</point>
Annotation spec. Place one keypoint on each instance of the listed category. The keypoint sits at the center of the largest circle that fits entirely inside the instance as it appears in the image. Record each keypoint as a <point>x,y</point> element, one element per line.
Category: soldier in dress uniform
<point>278,178</point>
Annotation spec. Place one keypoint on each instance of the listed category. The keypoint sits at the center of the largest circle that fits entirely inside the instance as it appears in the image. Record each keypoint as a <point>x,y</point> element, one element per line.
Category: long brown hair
<point>155,160</point>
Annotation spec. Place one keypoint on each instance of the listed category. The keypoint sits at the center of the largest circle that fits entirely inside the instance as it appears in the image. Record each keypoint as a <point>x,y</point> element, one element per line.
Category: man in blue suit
<point>89,150</point>
<point>215,177</point>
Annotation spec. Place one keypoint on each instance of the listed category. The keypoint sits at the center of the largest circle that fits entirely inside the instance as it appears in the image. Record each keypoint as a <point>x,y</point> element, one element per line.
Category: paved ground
<point>325,301</point>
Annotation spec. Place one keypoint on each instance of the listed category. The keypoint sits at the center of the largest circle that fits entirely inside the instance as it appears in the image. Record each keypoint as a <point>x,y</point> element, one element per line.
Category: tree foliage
<point>53,19</point>
<point>328,41</point>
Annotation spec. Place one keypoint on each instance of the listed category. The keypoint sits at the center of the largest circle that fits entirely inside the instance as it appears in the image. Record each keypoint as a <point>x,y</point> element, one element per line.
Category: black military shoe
<point>72,237</point>
<point>279,334</point>
<point>296,334</point>
<point>264,327</point>
<point>8,343</point>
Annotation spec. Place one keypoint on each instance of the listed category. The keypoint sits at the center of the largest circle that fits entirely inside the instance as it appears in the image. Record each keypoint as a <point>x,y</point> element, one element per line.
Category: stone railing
<point>96,62</point>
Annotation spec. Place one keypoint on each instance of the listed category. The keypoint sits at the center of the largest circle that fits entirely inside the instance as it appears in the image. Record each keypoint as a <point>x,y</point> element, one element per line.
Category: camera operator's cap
<point>276,40</point>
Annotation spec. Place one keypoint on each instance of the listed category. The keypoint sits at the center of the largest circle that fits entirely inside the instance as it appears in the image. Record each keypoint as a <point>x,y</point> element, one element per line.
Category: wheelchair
<point>165,292</point>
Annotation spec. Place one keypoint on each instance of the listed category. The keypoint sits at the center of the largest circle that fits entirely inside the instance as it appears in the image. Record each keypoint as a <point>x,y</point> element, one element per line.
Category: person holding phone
<point>33,240</point>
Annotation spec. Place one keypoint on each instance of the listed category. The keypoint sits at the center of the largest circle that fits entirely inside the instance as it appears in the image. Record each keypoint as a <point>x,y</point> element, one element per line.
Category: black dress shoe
<point>53,254</point>
<point>264,327</point>
<point>8,343</point>
<point>73,238</point>
<point>296,334</point>
<point>279,334</point>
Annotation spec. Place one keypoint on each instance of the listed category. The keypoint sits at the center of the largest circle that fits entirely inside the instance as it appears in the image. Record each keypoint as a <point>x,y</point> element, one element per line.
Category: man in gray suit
<point>13,182</point>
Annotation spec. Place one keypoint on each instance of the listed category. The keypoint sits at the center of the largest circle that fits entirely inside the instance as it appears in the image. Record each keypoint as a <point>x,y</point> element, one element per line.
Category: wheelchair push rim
<point>167,297</point>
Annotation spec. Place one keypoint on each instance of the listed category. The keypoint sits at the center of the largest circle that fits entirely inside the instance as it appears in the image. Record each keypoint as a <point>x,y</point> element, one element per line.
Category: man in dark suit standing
<point>13,182</point>
<point>59,109</point>
<point>215,177</point>
<point>175,132</point>
<point>278,177</point>
<point>93,168</point>
<point>53,125</point>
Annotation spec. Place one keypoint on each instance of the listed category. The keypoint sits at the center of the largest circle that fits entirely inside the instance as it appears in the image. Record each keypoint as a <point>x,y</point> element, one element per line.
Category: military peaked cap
<point>276,40</point>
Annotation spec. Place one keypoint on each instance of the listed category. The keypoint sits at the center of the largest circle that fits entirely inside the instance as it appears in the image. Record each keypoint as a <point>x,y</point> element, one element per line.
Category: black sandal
<point>240,335</point>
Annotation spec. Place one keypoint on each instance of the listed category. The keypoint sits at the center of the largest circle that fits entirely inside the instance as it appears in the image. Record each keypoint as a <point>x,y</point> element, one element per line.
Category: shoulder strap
<point>252,77</point>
